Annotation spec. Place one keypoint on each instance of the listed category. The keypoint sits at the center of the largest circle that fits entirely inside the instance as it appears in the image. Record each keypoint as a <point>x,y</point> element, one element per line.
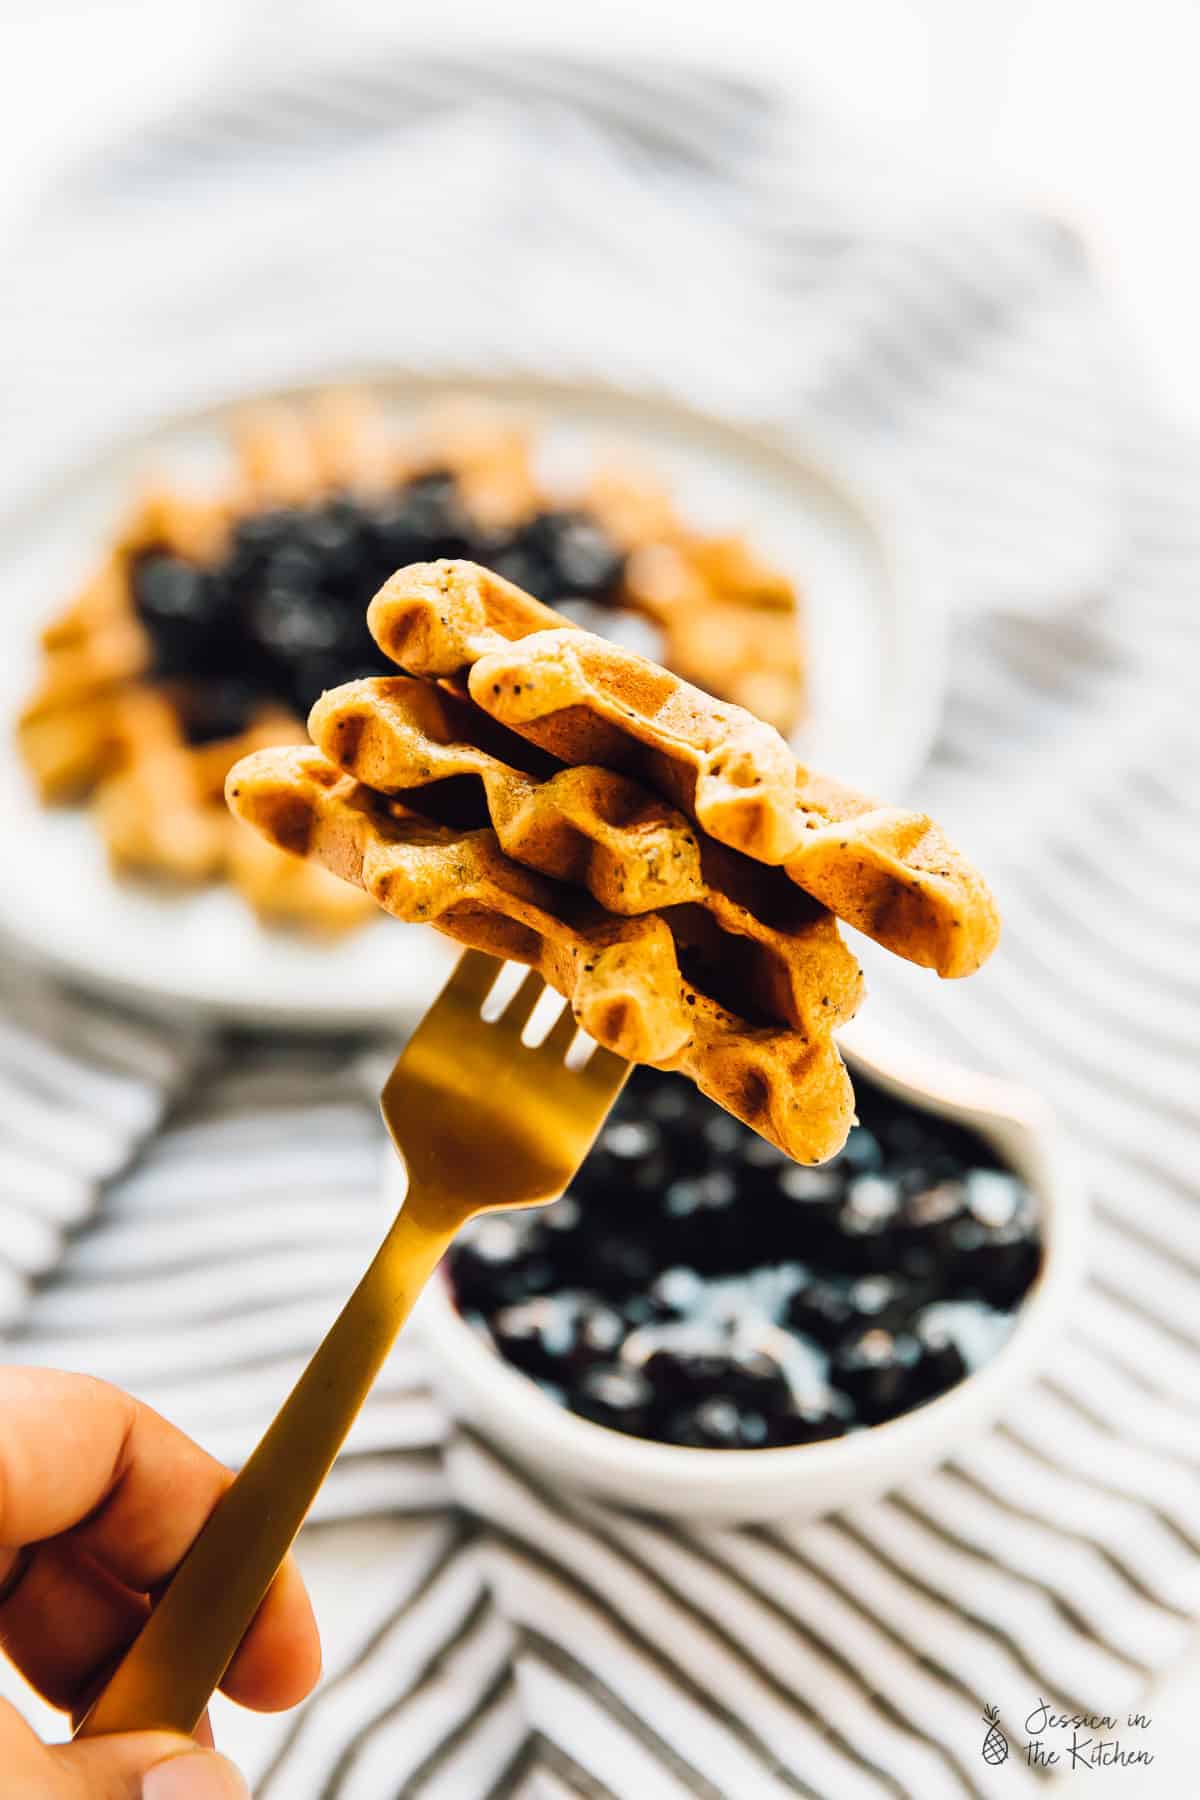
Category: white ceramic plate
<point>873,625</point>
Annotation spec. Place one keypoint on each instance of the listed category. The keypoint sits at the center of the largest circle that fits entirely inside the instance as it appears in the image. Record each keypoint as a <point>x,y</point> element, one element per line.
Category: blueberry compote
<point>696,1287</point>
<point>283,616</point>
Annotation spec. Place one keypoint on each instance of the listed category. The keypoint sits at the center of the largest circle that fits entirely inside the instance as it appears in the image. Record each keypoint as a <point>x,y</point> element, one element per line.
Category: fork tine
<point>604,1069</point>
<point>561,1036</point>
<point>517,1013</point>
<point>474,977</point>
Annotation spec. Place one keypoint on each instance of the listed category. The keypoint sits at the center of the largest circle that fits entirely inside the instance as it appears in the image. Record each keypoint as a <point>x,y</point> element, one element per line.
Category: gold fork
<point>481,1121</point>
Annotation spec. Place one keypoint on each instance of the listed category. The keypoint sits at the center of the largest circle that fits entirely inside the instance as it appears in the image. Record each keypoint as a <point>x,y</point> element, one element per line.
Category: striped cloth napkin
<point>190,1211</point>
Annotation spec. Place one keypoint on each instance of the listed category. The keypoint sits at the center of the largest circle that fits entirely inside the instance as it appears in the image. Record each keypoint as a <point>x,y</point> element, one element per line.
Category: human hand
<point>99,1499</point>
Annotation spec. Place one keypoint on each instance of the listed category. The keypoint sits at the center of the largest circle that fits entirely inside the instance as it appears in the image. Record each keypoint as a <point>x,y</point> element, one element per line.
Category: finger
<point>68,1622</point>
<point>28,1767</point>
<point>202,1775</point>
<point>133,1766</point>
<point>278,1661</point>
<point>122,1494</point>
<point>78,1453</point>
<point>122,1767</point>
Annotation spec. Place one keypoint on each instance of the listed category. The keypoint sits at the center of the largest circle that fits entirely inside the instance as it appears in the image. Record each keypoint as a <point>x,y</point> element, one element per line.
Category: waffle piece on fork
<point>889,872</point>
<point>762,936</point>
<point>621,976</point>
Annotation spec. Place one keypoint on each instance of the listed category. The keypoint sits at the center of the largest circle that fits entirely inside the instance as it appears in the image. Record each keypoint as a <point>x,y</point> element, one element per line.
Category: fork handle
<point>169,1673</point>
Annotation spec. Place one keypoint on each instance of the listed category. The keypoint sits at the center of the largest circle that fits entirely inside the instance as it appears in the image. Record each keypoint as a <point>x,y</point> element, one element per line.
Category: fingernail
<point>197,1775</point>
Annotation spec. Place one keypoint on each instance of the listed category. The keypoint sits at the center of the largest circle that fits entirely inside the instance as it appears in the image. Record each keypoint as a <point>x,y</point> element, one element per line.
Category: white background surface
<point>1083,106</point>
<point>1086,107</point>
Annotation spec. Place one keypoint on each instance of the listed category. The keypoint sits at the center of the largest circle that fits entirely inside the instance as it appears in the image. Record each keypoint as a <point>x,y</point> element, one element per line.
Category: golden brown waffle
<point>889,872</point>
<point>95,724</point>
<point>620,975</point>
<point>752,659</point>
<point>759,935</point>
<point>289,455</point>
<point>728,618</point>
<point>634,507</point>
<point>728,621</point>
<point>153,812</point>
<point>162,812</point>
<point>286,891</point>
<point>585,700</point>
<point>96,649</point>
<point>490,455</point>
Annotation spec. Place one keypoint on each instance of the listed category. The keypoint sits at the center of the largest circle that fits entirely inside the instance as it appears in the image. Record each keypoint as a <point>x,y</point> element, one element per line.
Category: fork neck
<point>434,1212</point>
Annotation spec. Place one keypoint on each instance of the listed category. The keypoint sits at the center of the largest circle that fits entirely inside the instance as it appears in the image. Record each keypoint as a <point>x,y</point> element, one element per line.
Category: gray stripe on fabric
<point>542,1751</point>
<point>497,1690</point>
<point>707,1627</point>
<point>1066,1702</point>
<point>327,1696</point>
<point>537,1644</point>
<point>586,1594</point>
<point>676,1594</point>
<point>964,1541</point>
<point>462,1627</point>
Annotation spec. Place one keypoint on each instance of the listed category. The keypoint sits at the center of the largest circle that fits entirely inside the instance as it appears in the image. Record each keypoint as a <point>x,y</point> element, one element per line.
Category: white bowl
<point>807,1480</point>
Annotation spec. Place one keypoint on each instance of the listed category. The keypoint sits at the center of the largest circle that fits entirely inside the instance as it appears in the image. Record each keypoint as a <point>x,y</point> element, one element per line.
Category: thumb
<point>144,1765</point>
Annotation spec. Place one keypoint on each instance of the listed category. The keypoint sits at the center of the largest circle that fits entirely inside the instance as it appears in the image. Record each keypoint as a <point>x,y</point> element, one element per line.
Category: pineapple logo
<point>995,1744</point>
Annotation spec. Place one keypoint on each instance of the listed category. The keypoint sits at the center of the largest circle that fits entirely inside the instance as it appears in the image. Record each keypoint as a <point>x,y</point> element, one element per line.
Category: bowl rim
<point>1010,1117</point>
